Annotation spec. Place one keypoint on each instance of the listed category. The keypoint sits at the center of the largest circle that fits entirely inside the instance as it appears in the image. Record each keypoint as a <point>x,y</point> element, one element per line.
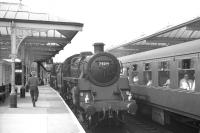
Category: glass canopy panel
<point>24,8</point>
<point>179,33</point>
<point>52,18</point>
<point>166,34</point>
<point>198,34</point>
<point>52,44</point>
<point>36,34</point>
<point>173,33</point>
<point>4,7</point>
<point>185,34</point>
<point>13,7</point>
<point>10,15</point>
<point>35,16</point>
<point>195,34</point>
<point>22,15</point>
<point>188,33</point>
<point>3,31</point>
<point>182,34</point>
<point>57,34</point>
<point>50,33</point>
<point>43,34</point>
<point>2,13</point>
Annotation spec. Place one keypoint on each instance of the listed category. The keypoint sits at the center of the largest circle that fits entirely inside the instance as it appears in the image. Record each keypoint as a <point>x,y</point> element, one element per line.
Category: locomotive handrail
<point>121,94</point>
<point>92,96</point>
<point>78,63</point>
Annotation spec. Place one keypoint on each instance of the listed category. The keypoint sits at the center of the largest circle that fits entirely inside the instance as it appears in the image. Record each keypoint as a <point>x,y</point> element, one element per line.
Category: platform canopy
<point>184,32</point>
<point>39,36</point>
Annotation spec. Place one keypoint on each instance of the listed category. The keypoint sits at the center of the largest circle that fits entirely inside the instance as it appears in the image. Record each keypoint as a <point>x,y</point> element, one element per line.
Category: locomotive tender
<point>98,90</point>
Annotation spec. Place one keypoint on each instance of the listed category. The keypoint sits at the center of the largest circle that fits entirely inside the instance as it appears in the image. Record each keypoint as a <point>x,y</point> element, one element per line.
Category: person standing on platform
<point>33,86</point>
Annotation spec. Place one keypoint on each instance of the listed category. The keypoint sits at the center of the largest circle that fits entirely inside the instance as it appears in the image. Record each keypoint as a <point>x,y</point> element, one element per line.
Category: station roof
<point>42,34</point>
<point>184,32</point>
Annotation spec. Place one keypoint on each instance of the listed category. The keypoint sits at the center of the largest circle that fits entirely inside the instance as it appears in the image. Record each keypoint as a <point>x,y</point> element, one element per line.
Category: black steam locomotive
<point>91,84</point>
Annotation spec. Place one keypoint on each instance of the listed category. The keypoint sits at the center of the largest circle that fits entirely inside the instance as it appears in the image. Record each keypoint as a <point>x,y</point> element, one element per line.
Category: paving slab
<point>51,115</point>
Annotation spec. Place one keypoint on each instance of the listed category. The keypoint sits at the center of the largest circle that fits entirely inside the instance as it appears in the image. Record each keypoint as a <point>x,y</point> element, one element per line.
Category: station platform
<point>51,115</point>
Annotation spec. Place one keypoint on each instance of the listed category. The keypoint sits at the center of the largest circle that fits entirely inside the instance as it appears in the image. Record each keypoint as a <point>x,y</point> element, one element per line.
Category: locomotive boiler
<point>98,91</point>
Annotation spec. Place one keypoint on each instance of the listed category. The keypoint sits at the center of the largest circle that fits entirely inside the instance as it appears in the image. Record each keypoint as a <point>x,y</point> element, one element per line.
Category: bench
<point>4,91</point>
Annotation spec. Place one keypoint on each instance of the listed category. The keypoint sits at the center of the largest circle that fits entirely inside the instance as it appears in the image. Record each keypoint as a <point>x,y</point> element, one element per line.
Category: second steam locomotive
<point>93,86</point>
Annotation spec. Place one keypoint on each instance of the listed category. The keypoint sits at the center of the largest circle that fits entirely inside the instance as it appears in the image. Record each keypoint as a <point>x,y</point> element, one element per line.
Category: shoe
<point>34,104</point>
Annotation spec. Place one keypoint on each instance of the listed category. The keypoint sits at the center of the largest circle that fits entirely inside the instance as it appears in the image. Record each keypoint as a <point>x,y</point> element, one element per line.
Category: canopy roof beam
<point>125,49</point>
<point>193,27</point>
<point>35,53</point>
<point>168,40</point>
<point>145,45</point>
<point>39,48</point>
<point>57,40</point>
<point>123,53</point>
<point>135,49</point>
<point>32,39</point>
<point>42,25</point>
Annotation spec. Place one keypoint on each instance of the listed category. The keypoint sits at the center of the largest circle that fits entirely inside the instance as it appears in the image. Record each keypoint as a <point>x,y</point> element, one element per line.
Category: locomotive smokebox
<point>98,48</point>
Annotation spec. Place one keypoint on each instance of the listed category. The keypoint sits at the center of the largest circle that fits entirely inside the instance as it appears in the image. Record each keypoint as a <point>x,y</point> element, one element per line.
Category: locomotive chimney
<point>98,48</point>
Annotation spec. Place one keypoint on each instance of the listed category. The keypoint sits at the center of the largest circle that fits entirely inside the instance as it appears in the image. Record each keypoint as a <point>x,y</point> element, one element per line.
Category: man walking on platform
<point>33,87</point>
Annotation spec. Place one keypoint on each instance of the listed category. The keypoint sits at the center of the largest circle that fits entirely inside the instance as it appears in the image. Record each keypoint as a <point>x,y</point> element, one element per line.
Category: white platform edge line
<point>73,116</point>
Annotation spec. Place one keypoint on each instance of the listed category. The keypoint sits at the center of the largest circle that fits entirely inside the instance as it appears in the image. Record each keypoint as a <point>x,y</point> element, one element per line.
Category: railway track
<point>137,124</point>
<point>132,124</point>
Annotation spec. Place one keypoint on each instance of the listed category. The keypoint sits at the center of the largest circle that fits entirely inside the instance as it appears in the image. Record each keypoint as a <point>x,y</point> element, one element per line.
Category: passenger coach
<point>156,79</point>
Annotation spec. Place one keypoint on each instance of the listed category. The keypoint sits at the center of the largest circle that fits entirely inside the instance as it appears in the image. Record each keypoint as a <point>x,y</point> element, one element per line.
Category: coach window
<point>186,74</point>
<point>135,74</point>
<point>147,75</point>
<point>163,74</point>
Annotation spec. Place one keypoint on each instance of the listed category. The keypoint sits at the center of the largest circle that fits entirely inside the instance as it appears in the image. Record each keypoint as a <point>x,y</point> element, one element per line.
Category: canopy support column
<point>23,64</point>
<point>13,95</point>
<point>23,73</point>
<point>38,70</point>
<point>26,62</point>
<point>17,36</point>
<point>27,73</point>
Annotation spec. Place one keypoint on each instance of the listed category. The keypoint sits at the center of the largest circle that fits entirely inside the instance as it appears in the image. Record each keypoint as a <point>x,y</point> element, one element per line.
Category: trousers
<point>34,92</point>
